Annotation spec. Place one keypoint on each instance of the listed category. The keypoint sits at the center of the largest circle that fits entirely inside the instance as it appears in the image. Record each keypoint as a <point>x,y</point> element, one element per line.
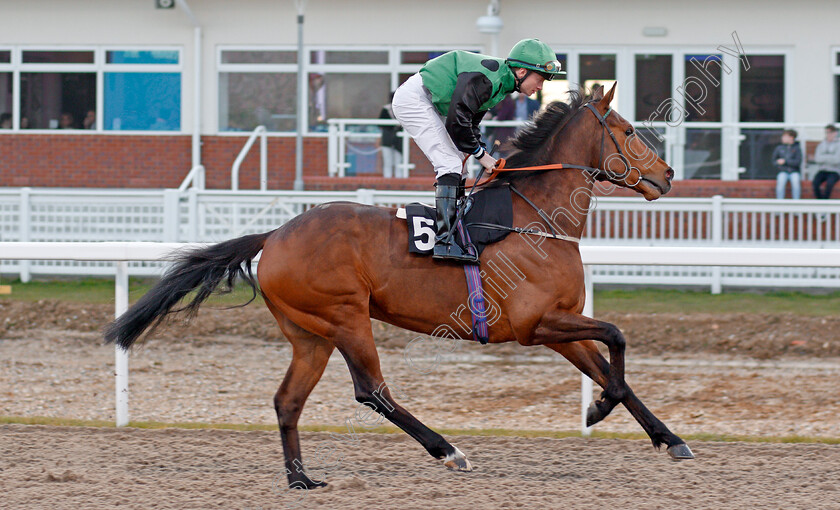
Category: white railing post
<point>585,381</point>
<point>365,196</point>
<point>717,240</point>
<point>406,147</point>
<point>234,171</point>
<point>121,356</point>
<point>25,230</point>
<point>332,148</point>
<point>263,161</point>
<point>342,148</point>
<point>194,215</point>
<point>171,220</point>
<point>195,177</point>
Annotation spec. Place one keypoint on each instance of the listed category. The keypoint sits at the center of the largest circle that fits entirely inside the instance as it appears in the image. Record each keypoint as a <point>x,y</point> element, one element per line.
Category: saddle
<point>484,217</point>
<point>482,213</point>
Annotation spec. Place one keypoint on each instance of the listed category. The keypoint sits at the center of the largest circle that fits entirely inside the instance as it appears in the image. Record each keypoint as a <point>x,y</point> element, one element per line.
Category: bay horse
<point>327,272</point>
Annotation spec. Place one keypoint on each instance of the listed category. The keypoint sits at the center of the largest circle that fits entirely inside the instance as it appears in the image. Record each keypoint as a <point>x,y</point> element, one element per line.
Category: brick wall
<point>114,161</point>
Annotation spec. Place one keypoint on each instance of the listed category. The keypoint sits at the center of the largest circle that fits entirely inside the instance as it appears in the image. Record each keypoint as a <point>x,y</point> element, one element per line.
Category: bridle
<point>607,174</point>
<point>602,119</point>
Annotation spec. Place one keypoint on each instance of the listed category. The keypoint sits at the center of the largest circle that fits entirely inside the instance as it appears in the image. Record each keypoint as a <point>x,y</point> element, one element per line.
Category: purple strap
<point>475,302</point>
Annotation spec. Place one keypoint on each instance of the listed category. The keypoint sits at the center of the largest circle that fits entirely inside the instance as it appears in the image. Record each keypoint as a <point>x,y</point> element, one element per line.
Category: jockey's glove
<point>486,160</point>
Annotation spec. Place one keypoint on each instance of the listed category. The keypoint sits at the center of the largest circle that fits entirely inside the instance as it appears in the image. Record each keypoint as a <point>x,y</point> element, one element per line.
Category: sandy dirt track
<point>226,366</point>
<point>737,374</point>
<point>73,468</point>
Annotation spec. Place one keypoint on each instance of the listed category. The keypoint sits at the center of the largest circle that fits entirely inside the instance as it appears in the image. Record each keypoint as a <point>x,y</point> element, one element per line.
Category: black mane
<point>525,148</point>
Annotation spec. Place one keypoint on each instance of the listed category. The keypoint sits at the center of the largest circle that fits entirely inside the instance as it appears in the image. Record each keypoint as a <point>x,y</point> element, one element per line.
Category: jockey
<point>442,106</point>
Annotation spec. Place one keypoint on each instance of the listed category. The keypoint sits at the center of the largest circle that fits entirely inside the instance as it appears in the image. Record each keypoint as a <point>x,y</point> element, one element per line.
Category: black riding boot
<point>446,200</point>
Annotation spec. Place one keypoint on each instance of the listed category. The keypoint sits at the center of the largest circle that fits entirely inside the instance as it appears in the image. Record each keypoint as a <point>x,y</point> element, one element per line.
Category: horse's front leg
<point>558,327</point>
<point>585,356</point>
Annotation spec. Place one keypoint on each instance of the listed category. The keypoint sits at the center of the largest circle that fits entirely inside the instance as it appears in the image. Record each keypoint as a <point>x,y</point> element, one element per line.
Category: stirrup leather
<point>446,211</point>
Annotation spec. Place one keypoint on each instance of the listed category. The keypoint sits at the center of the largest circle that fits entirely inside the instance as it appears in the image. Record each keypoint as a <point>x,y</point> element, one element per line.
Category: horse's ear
<point>605,100</point>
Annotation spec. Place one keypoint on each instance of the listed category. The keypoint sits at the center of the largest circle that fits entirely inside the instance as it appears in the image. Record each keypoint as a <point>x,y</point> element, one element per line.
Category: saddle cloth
<point>489,205</point>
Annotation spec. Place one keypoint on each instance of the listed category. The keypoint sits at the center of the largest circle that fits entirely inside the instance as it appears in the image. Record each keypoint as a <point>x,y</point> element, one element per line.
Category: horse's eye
<point>629,131</point>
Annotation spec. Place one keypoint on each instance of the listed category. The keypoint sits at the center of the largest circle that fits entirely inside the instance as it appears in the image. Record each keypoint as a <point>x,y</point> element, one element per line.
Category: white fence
<point>121,253</point>
<point>50,215</point>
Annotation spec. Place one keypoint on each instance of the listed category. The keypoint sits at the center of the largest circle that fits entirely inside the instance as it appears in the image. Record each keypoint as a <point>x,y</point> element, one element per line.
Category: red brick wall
<point>95,161</point>
<point>114,161</point>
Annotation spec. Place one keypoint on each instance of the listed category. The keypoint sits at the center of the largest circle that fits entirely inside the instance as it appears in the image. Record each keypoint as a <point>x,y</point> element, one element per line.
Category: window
<point>702,154</point>
<point>346,95</point>
<point>653,83</point>
<point>5,100</point>
<point>53,99</point>
<point>837,86</point>
<point>56,100</point>
<point>258,86</point>
<point>418,57</point>
<point>61,88</point>
<point>348,57</point>
<point>598,70</point>
<point>703,83</point>
<point>259,57</point>
<point>756,152</point>
<point>763,89</point>
<point>139,94</point>
<point>142,102</point>
<point>248,100</point>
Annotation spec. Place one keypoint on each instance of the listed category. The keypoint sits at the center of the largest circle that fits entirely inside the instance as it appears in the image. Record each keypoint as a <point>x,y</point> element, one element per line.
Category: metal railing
<point>234,171</point>
<point>194,178</point>
<point>196,215</point>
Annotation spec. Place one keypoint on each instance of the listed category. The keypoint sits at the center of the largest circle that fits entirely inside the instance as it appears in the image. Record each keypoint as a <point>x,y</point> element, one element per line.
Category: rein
<point>602,119</point>
<point>500,167</point>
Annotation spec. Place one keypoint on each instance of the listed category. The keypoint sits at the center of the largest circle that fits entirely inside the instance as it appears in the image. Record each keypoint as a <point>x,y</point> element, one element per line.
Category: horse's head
<point>626,160</point>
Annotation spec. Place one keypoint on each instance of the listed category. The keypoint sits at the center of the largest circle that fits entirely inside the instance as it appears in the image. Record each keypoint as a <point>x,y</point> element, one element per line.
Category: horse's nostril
<point>669,174</point>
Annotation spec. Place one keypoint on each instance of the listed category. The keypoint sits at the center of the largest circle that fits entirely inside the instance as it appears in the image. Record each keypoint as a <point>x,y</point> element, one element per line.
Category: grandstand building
<point>135,93</point>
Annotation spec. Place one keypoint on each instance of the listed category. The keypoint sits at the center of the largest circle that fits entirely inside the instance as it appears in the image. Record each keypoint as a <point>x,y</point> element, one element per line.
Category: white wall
<point>809,27</point>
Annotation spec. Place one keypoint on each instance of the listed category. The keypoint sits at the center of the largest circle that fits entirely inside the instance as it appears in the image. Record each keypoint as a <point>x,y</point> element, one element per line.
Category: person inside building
<point>827,157</point>
<point>89,121</point>
<point>441,108</point>
<point>788,158</point>
<point>391,144</point>
<point>66,121</point>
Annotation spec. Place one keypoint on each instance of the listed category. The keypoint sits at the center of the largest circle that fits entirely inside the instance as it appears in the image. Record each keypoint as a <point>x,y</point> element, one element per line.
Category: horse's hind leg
<point>585,356</point>
<point>359,351</point>
<point>310,354</point>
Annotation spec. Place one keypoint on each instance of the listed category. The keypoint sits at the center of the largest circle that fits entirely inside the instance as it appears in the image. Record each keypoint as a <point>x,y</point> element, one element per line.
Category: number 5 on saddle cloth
<point>491,206</point>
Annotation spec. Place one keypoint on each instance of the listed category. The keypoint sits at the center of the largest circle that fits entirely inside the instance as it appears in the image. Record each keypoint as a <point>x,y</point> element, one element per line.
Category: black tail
<point>203,269</point>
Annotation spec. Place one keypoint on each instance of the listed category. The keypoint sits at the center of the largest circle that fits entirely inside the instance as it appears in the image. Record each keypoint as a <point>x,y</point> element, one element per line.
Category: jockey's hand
<point>488,162</point>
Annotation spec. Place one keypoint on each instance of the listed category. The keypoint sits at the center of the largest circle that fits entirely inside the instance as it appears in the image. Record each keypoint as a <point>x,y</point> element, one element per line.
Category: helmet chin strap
<point>520,81</point>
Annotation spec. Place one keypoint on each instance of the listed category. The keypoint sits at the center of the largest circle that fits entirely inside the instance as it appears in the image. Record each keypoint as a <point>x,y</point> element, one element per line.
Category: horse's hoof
<point>457,461</point>
<point>593,415</point>
<point>680,452</point>
<point>307,485</point>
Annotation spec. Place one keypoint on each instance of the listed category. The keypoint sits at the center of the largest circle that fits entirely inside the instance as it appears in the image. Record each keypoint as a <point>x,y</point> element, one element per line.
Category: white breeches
<point>414,110</point>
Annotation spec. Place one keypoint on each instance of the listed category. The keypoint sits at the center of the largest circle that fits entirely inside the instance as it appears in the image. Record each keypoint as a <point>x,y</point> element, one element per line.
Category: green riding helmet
<point>535,55</point>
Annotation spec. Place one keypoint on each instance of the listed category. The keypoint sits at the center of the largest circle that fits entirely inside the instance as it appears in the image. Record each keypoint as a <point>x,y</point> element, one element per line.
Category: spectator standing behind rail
<point>788,159</point>
<point>391,144</point>
<point>827,158</point>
